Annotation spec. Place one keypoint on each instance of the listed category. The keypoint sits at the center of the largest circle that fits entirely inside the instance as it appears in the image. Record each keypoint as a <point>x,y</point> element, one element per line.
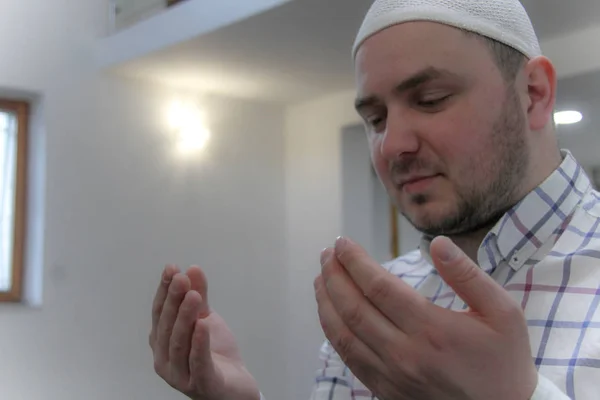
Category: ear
<point>540,77</point>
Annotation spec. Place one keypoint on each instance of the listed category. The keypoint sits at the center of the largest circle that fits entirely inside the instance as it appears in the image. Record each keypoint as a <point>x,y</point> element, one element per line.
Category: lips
<point>414,179</point>
<point>416,183</point>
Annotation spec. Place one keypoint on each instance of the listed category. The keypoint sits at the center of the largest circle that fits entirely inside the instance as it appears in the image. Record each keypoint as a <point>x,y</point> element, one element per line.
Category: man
<point>501,300</point>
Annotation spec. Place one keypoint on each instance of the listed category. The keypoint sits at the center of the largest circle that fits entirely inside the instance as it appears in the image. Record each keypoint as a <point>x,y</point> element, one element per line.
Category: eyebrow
<point>416,80</point>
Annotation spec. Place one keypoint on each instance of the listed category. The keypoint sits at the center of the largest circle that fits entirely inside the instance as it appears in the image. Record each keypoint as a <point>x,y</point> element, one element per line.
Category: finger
<point>476,288</point>
<point>160,297</point>
<point>177,290</point>
<point>356,355</point>
<point>356,311</point>
<point>181,337</point>
<point>202,366</point>
<point>199,283</point>
<point>397,300</point>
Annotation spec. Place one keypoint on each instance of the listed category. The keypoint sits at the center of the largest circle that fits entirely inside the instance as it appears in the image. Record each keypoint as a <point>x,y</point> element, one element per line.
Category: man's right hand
<point>194,350</point>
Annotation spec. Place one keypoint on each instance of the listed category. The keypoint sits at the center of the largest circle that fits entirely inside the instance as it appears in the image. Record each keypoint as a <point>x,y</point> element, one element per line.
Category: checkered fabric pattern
<point>546,254</point>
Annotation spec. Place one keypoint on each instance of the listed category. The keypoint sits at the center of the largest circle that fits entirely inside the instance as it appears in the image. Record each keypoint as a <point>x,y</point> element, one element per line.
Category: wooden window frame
<point>21,110</point>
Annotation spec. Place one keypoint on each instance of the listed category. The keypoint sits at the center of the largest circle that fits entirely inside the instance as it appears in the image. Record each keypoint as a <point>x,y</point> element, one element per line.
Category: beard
<point>481,204</point>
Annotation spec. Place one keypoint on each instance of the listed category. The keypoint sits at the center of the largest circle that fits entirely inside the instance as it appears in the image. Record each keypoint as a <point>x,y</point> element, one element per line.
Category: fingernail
<point>449,251</point>
<point>166,277</point>
<point>325,255</point>
<point>340,242</point>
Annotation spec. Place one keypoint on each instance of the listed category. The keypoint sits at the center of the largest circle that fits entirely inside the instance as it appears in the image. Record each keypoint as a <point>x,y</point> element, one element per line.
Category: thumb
<point>476,288</point>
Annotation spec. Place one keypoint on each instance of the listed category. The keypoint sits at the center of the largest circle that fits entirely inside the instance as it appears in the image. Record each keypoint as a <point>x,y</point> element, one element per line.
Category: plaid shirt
<point>546,253</point>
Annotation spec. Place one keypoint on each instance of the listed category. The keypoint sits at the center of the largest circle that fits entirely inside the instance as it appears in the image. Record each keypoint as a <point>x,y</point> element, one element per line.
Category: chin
<point>428,217</point>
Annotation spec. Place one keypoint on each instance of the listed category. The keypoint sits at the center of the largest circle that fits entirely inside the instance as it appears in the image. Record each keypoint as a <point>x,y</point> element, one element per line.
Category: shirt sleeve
<point>547,390</point>
<point>333,381</point>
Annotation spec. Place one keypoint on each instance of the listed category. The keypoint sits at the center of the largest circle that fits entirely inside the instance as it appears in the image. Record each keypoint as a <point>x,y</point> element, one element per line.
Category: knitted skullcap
<point>503,20</point>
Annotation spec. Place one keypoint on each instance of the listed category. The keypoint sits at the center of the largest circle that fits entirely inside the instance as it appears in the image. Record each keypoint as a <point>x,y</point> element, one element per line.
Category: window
<point>13,154</point>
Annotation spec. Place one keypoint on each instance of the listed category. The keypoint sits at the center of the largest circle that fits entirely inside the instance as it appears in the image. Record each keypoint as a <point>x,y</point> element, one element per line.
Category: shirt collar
<point>525,228</point>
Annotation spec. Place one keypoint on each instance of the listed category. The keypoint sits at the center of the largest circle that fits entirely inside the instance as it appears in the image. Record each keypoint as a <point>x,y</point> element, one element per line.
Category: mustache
<point>411,165</point>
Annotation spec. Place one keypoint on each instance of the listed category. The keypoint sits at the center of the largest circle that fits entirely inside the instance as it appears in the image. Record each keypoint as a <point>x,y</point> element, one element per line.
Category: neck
<point>543,161</point>
<point>469,243</point>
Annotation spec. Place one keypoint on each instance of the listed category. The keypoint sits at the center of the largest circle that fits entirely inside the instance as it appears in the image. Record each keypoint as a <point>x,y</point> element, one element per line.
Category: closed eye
<point>433,102</point>
<point>376,122</point>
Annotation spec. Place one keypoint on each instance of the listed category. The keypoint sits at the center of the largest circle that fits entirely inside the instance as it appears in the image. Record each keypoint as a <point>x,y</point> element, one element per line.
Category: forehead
<point>402,50</point>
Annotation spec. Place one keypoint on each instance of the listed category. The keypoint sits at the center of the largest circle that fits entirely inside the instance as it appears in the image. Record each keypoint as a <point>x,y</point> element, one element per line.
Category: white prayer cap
<point>503,20</point>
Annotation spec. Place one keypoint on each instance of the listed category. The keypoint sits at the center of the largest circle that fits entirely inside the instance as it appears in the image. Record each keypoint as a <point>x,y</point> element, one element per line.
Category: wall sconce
<point>189,125</point>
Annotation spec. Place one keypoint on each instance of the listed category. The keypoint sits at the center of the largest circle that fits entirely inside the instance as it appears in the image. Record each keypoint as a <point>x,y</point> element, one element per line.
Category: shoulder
<point>584,225</point>
<point>581,235</point>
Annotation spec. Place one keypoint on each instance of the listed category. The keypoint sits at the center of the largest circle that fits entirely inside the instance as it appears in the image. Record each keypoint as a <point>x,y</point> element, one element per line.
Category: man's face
<point>447,133</point>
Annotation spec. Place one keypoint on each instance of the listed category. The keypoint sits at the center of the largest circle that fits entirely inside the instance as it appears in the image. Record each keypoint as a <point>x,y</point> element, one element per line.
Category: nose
<point>399,137</point>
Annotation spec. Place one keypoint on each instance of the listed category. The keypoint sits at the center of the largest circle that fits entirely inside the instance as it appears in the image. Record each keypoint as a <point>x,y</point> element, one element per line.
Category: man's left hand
<point>403,347</point>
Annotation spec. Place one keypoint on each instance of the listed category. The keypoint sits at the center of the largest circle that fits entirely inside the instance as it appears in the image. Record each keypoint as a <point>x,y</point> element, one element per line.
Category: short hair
<point>508,59</point>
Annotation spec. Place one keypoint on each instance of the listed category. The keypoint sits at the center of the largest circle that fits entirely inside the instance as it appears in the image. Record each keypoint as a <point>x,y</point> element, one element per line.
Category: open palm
<point>194,350</point>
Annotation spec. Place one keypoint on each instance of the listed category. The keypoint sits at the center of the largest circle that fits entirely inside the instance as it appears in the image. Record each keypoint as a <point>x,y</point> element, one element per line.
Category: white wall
<point>357,189</point>
<point>40,40</point>
<point>138,206</point>
<point>119,204</point>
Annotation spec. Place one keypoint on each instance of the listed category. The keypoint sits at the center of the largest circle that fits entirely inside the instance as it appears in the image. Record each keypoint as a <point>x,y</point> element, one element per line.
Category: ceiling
<point>301,50</point>
<point>294,52</point>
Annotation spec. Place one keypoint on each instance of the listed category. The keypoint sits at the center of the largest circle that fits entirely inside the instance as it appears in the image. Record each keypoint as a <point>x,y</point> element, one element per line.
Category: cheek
<point>471,166</point>
<point>460,142</point>
<point>462,149</point>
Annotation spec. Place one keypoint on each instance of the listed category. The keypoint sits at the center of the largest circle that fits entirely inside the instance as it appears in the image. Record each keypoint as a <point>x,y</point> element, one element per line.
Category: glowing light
<point>192,139</point>
<point>188,123</point>
<point>567,117</point>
